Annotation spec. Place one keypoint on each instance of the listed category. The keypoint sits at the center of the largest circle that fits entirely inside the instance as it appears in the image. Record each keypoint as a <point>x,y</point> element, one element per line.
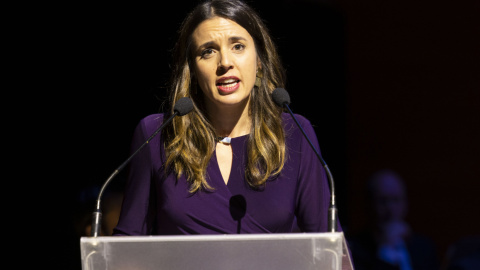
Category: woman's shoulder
<point>295,133</point>
<point>151,122</point>
<point>156,118</point>
<point>288,119</point>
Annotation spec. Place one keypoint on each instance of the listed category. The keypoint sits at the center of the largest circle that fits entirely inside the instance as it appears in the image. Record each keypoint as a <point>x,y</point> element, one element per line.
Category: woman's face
<point>225,62</point>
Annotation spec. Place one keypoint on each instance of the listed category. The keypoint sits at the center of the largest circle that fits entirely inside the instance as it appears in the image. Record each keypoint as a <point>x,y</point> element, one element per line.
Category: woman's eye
<point>239,47</point>
<point>207,53</point>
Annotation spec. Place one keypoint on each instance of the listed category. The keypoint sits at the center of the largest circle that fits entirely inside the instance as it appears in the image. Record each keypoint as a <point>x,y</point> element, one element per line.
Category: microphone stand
<point>332,209</point>
<point>97,214</point>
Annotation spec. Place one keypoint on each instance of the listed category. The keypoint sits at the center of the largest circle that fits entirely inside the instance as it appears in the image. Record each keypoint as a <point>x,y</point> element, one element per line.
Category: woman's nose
<point>225,62</point>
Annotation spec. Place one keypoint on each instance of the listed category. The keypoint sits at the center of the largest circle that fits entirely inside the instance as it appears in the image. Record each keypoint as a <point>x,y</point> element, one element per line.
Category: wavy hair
<point>190,140</point>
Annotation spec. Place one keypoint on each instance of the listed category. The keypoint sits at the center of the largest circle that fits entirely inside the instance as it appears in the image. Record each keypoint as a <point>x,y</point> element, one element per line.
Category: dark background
<point>387,84</point>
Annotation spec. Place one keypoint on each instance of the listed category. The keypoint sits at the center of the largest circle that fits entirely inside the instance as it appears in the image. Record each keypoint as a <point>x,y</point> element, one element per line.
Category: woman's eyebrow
<point>206,44</point>
<point>230,39</point>
<point>235,38</point>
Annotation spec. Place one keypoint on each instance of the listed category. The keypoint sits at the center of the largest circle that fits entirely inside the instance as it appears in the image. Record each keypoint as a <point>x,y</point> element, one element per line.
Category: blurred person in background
<point>389,242</point>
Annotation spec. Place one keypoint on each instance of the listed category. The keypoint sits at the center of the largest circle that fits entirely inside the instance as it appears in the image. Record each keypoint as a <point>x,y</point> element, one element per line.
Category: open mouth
<point>228,84</point>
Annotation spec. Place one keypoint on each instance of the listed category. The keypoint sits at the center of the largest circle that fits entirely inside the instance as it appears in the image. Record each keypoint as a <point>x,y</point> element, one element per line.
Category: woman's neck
<point>230,121</point>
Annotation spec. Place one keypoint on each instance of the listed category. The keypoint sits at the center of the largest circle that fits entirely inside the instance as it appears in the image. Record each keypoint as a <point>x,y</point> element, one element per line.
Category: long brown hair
<point>190,140</point>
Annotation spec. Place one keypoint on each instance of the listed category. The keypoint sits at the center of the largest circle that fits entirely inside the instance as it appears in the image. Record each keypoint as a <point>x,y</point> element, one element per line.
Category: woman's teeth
<point>228,83</point>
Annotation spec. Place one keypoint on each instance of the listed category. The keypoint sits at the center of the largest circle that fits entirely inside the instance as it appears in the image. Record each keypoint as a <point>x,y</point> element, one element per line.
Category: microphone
<point>282,99</point>
<point>181,108</point>
<point>238,209</point>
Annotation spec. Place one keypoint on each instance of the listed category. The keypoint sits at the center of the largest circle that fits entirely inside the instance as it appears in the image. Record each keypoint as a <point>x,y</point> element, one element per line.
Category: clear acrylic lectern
<point>292,251</point>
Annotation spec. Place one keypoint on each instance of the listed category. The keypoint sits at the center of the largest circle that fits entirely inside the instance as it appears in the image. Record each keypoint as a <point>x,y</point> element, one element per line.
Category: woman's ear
<point>259,76</point>
<point>259,64</point>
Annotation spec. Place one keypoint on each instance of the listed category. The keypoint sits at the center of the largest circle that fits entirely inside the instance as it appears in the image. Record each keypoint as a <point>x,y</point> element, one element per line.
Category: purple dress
<point>158,204</point>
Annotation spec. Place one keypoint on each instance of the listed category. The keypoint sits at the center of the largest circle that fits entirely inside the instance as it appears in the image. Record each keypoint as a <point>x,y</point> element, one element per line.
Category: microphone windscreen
<point>281,97</point>
<point>183,106</point>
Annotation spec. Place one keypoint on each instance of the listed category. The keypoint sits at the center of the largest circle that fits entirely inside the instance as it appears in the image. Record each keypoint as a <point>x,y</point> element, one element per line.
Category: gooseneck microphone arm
<point>182,107</point>
<point>281,98</point>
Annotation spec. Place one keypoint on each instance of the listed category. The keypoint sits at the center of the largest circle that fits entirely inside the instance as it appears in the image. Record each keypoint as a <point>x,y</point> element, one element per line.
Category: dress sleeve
<point>313,191</point>
<point>137,211</point>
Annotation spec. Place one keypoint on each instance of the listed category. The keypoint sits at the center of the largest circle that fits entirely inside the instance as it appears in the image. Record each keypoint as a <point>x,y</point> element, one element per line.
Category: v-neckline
<point>226,178</point>
<point>235,143</point>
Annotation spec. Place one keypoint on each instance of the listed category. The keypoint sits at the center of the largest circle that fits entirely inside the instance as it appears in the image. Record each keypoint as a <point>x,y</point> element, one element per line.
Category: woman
<point>236,163</point>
